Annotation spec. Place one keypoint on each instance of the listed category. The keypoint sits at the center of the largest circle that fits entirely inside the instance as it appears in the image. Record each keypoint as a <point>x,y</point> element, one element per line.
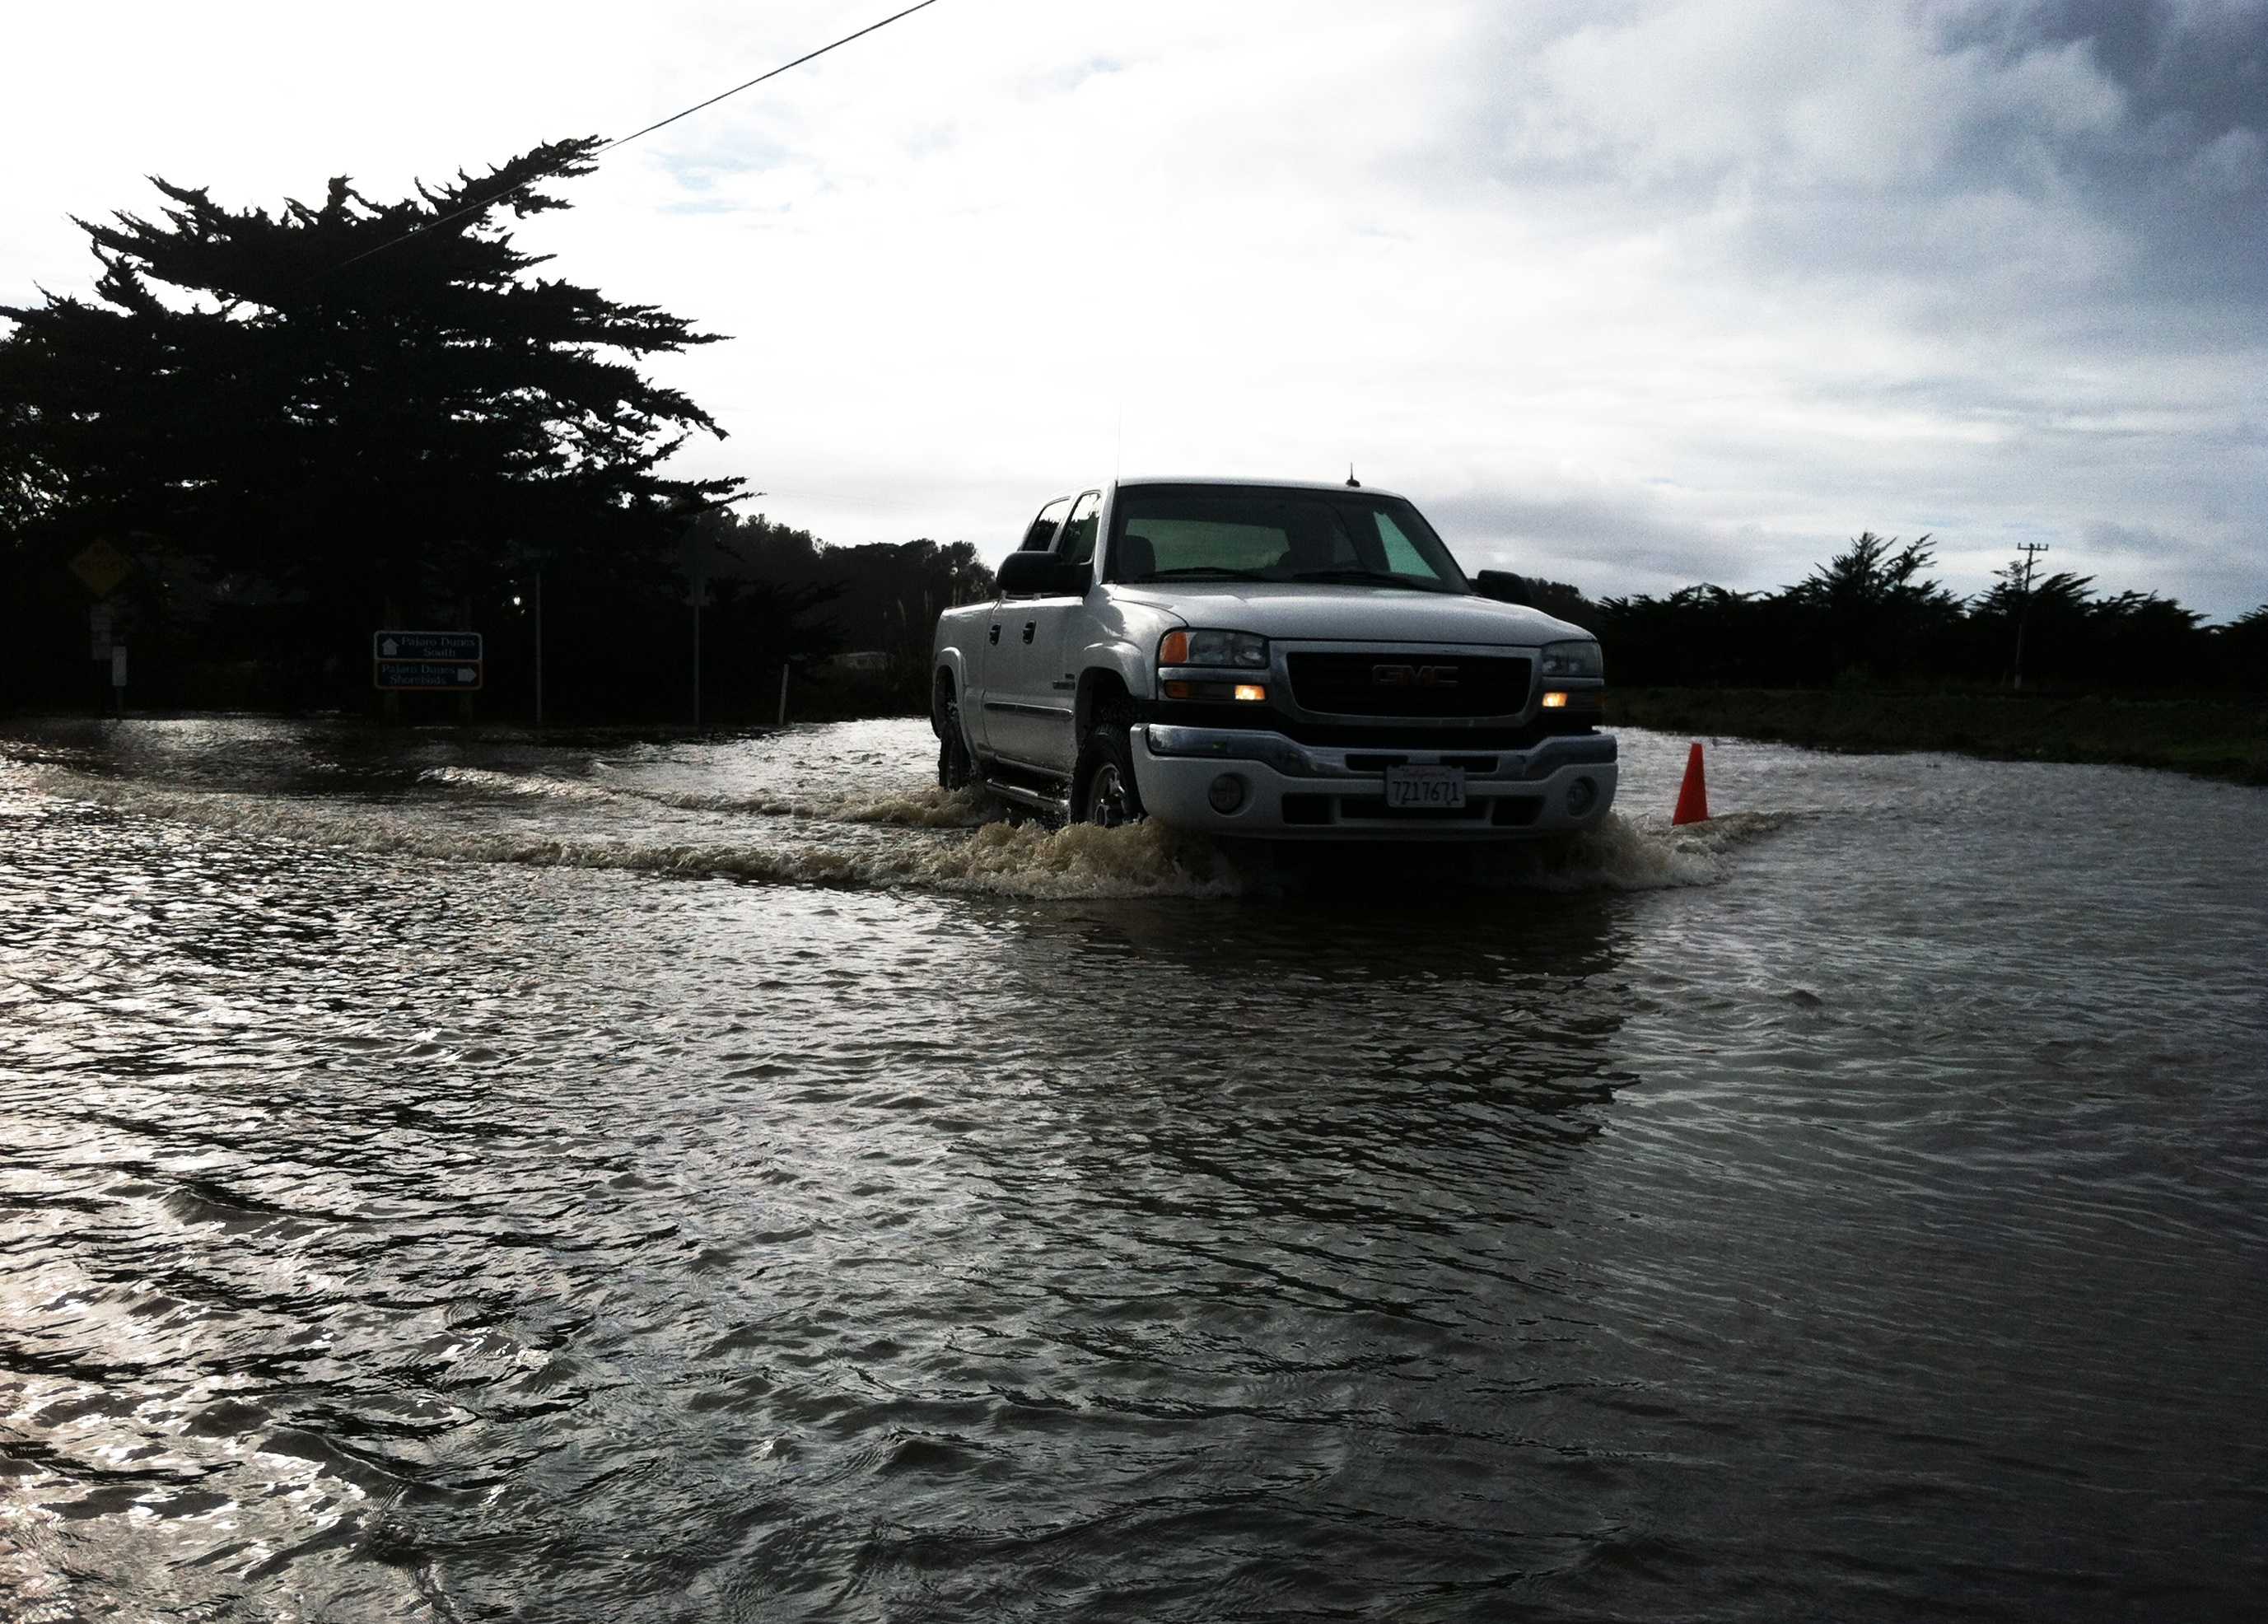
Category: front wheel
<point>953,766</point>
<point>1103,790</point>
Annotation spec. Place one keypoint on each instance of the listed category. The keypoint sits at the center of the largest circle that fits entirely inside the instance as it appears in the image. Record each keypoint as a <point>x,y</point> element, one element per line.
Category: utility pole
<point>2031,550</point>
<point>696,580</point>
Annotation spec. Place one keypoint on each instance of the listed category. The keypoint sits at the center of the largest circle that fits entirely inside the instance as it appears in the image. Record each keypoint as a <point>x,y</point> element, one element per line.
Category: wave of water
<point>919,838</point>
<point>916,808</point>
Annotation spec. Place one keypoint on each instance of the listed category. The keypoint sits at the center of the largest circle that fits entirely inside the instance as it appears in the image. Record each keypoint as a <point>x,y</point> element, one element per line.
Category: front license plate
<point>1433,787</point>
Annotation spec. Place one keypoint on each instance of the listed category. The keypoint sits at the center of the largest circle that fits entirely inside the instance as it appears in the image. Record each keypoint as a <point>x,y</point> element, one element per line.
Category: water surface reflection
<point>439,1182</point>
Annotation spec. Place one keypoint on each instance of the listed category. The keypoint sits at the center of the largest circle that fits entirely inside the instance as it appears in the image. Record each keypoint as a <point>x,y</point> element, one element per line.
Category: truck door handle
<point>1029,627</point>
<point>995,631</point>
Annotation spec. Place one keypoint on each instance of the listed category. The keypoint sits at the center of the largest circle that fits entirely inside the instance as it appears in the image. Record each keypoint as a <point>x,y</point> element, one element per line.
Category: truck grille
<point>1399,683</point>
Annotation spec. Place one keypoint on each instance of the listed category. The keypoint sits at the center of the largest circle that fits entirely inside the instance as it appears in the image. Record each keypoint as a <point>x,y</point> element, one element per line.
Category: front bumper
<point>1300,791</point>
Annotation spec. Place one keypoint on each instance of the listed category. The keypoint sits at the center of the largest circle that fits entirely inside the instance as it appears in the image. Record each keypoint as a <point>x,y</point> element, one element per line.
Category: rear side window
<point>1078,535</point>
<point>1041,535</point>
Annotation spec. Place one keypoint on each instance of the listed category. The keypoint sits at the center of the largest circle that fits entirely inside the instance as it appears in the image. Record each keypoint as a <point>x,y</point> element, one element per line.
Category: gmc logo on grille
<point>1413,676</point>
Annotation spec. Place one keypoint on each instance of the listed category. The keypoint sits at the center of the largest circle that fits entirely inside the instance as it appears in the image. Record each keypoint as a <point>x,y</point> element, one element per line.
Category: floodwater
<point>447,1180</point>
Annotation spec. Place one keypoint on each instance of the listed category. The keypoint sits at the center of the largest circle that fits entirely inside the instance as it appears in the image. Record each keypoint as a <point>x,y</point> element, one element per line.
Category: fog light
<point>1582,795</point>
<point>1227,794</point>
<point>1555,701</point>
<point>1251,692</point>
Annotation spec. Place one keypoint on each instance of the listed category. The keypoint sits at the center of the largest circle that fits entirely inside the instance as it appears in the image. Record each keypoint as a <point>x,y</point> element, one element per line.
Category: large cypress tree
<point>356,403</point>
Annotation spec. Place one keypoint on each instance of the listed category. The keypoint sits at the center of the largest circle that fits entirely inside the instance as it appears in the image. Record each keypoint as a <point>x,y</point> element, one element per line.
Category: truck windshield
<point>1259,533</point>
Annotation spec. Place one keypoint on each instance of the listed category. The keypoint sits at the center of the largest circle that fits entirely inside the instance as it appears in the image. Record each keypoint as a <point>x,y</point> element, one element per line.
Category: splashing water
<point>871,837</point>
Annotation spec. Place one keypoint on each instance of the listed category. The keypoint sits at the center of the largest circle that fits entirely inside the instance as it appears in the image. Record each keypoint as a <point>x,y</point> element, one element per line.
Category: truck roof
<point>1212,479</point>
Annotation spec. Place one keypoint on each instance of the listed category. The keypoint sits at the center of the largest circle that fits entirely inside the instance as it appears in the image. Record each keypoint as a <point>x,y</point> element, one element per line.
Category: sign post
<point>101,566</point>
<point>698,597</point>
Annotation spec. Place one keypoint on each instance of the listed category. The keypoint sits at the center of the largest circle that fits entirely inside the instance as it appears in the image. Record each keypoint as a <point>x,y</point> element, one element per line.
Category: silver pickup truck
<point>1269,658</point>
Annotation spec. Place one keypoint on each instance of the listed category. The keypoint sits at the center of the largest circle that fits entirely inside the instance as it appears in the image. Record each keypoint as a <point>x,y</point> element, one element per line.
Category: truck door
<point>990,663</point>
<point>1029,718</point>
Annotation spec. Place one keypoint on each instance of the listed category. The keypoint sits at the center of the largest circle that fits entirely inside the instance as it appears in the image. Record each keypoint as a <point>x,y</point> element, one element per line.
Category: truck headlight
<point>1573,659</point>
<point>1242,650</point>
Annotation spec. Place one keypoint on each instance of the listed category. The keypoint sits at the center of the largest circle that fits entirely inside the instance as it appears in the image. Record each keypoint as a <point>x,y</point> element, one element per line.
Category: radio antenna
<point>1353,483</point>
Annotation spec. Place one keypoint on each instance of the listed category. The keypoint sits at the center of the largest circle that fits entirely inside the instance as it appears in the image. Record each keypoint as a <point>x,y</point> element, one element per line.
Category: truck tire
<point>953,766</point>
<point>1103,790</point>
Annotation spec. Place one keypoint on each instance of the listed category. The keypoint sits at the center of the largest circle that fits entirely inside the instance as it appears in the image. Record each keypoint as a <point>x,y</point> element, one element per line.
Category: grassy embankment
<point>2212,735</point>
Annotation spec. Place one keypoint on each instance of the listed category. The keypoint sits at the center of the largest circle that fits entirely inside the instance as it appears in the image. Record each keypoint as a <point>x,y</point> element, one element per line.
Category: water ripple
<point>412,1207</point>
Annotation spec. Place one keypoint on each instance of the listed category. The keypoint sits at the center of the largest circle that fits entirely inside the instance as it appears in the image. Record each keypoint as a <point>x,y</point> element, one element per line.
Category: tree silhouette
<point>356,402</point>
<point>1868,610</point>
<point>2243,647</point>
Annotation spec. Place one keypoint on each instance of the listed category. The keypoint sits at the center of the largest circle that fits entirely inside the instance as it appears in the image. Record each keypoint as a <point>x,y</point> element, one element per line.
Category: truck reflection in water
<point>1391,1067</point>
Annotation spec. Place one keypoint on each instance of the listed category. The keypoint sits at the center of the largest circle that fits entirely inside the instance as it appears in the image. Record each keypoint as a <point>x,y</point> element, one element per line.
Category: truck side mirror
<point>1504,586</point>
<point>1042,575</point>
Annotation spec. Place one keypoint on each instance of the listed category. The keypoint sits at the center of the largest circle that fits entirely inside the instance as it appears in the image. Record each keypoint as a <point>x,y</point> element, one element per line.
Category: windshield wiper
<point>1381,578</point>
<point>1219,572</point>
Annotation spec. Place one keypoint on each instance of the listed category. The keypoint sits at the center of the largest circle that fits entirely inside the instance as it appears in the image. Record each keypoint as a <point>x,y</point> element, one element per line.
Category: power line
<point>490,202</point>
<point>760,79</point>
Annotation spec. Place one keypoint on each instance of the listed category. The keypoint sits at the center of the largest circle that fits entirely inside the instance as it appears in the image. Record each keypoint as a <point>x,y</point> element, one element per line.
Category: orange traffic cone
<point>1693,794</point>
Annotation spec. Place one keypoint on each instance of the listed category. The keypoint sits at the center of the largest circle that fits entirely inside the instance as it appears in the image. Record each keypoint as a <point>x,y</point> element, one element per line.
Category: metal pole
<point>697,659</point>
<point>539,650</point>
<point>783,711</point>
<point>2031,550</point>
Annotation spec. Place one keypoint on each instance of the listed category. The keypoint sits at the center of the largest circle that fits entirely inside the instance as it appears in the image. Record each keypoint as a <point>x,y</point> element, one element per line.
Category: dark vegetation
<point>1871,618</point>
<point>304,426</point>
<point>2215,736</point>
<point>1868,653</point>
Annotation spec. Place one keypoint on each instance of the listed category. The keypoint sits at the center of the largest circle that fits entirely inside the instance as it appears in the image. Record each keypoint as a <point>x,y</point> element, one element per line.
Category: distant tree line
<point>1871,615</point>
<point>855,620</point>
<point>304,426</point>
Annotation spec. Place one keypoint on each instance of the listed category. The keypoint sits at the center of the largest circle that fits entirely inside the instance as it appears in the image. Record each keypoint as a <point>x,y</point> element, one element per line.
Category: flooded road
<point>464,1180</point>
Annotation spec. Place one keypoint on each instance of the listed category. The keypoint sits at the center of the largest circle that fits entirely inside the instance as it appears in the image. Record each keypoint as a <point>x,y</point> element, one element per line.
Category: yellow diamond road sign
<point>102,567</point>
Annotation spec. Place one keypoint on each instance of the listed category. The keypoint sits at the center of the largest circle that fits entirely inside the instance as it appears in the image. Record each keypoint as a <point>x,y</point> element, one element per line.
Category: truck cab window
<point>1078,535</point>
<point>1041,535</point>
<point>1330,536</point>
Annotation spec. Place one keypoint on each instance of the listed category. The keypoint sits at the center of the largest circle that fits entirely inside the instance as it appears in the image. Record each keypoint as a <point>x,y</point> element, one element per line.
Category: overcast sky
<point>1632,295</point>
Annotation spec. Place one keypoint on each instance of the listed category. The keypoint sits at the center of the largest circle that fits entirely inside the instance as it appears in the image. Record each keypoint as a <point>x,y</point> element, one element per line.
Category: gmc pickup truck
<point>1269,658</point>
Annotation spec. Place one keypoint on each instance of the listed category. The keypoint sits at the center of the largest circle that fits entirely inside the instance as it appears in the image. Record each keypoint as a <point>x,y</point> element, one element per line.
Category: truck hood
<point>1348,613</point>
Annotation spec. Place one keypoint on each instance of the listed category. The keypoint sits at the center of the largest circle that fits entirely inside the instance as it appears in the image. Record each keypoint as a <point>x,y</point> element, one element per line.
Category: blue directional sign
<point>426,645</point>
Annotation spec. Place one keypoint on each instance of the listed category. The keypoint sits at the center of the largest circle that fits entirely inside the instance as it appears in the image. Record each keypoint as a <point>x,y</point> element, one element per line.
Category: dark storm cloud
<point>2186,169</point>
<point>2205,66</point>
<point>1605,545</point>
<point>2002,266</point>
<point>1847,137</point>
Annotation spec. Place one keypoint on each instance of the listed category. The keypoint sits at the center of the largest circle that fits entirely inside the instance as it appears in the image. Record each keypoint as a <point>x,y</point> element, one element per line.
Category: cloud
<point>1635,294</point>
